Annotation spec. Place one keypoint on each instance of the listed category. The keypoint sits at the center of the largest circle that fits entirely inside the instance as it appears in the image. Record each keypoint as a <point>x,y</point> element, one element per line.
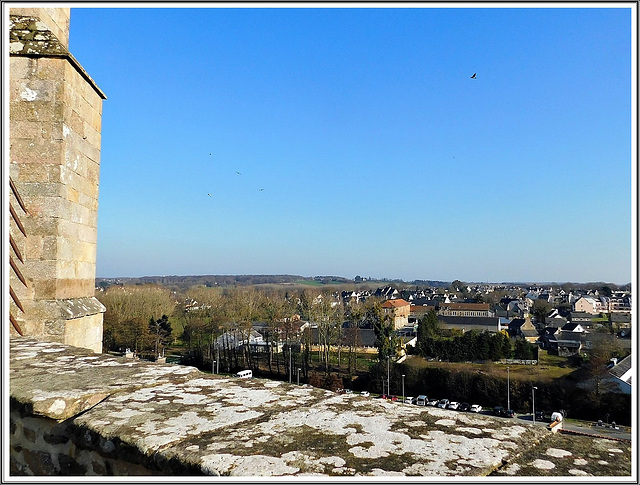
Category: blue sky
<point>363,146</point>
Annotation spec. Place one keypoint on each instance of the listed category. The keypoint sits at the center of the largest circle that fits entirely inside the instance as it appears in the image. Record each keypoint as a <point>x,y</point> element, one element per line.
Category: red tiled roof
<point>395,303</point>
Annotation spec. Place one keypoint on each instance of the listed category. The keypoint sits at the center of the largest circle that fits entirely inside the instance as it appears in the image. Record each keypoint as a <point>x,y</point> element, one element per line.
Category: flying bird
<point>238,173</point>
<point>474,76</point>
<point>209,195</point>
<point>261,190</point>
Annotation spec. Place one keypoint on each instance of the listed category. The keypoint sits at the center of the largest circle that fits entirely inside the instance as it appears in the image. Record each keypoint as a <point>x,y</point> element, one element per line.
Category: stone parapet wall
<point>74,412</point>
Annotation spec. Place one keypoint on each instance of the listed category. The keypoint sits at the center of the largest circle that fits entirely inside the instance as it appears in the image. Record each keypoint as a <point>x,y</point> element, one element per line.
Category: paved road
<point>586,427</point>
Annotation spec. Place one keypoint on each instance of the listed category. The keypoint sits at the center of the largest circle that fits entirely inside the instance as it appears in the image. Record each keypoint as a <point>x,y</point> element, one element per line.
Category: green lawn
<point>549,367</point>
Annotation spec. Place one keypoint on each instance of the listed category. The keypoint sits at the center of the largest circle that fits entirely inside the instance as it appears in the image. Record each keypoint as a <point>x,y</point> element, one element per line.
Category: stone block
<point>35,91</point>
<point>55,438</point>
<point>27,129</point>
<point>84,253</point>
<point>33,247</point>
<point>43,289</point>
<point>49,248</point>
<point>69,466</point>
<point>32,173</point>
<point>69,229</point>
<point>22,67</point>
<point>88,202</point>
<point>38,225</point>
<point>54,328</point>
<point>65,248</point>
<point>25,151</point>
<point>86,270</point>
<point>88,233</point>
<point>85,332</point>
<point>39,462</point>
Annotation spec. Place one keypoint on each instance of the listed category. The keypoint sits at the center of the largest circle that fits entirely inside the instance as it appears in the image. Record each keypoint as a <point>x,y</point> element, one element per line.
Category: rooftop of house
<point>466,306</point>
<point>622,367</point>
<point>397,303</point>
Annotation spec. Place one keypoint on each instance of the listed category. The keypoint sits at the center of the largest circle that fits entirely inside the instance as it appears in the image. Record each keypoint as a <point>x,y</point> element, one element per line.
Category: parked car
<point>443,403</point>
<point>464,406</point>
<point>505,413</point>
<point>365,393</point>
<point>409,400</point>
<point>432,402</point>
<point>348,391</point>
<point>422,400</point>
<point>393,398</point>
<point>475,408</point>
<point>541,416</point>
<point>453,405</point>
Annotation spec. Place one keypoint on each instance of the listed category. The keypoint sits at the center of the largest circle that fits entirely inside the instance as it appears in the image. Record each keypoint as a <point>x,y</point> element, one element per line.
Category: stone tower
<point>55,116</point>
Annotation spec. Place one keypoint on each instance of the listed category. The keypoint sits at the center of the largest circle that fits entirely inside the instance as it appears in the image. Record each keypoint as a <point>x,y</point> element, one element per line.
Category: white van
<point>422,400</point>
<point>245,374</point>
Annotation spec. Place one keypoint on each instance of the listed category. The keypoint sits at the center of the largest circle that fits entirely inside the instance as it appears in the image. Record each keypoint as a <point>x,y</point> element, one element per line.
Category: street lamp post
<point>508,390</point>
<point>213,367</point>
<point>403,388</point>
<point>298,375</point>
<point>289,364</point>
<point>388,360</point>
<point>533,403</point>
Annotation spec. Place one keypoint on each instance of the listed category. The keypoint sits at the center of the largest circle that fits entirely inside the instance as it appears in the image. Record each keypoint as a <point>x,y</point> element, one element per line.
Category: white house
<point>586,304</point>
<point>621,374</point>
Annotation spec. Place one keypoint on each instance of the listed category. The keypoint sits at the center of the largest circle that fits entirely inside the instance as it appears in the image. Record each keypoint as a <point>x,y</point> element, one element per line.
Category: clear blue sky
<point>363,146</point>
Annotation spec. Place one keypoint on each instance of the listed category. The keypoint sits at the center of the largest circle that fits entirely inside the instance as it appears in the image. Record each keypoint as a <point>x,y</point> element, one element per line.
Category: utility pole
<point>533,403</point>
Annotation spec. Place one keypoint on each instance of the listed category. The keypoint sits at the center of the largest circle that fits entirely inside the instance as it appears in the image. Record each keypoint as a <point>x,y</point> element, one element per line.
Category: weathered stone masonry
<point>55,135</point>
<point>74,412</point>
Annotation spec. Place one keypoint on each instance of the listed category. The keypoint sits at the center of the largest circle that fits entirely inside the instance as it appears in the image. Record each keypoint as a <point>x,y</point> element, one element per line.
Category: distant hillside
<point>205,280</point>
<point>247,280</point>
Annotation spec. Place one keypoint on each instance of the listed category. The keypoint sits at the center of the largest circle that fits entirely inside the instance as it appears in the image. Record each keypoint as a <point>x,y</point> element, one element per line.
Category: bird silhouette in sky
<point>261,190</point>
<point>238,173</point>
<point>474,76</point>
<point>209,195</point>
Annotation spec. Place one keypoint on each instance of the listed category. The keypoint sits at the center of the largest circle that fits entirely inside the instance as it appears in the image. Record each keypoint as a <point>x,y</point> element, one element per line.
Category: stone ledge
<point>58,381</point>
<point>81,307</point>
<point>177,420</point>
<point>30,37</point>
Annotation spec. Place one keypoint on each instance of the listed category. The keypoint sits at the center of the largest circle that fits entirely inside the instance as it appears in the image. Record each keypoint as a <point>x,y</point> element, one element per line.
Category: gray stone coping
<point>28,36</point>
<point>179,418</point>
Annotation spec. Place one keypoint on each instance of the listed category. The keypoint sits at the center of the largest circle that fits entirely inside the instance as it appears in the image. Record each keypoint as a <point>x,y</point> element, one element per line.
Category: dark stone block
<point>69,466</point>
<point>29,434</point>
<point>55,439</point>
<point>39,463</point>
<point>99,468</point>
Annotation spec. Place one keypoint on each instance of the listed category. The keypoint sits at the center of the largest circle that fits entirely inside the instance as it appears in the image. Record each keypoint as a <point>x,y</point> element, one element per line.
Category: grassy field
<point>549,368</point>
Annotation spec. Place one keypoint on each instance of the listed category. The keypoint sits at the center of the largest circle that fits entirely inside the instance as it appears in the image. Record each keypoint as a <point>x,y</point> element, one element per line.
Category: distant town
<point>570,340</point>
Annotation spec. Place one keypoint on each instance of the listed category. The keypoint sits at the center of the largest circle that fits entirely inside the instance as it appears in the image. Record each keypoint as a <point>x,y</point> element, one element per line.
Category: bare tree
<point>327,314</point>
<point>128,312</point>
